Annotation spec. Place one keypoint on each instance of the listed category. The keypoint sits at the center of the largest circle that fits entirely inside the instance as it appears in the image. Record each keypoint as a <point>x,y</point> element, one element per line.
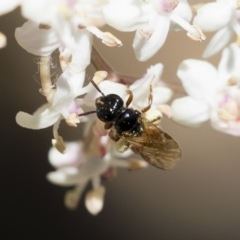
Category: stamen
<point>94,200</point>
<point>58,142</point>
<point>99,76</point>
<point>193,31</point>
<point>72,197</point>
<point>224,115</point>
<point>144,34</point>
<point>72,120</point>
<point>107,38</point>
<point>233,81</point>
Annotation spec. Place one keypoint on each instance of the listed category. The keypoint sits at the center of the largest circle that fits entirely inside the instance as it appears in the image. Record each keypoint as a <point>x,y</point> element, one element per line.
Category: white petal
<point>232,128</point>
<point>229,64</point>
<point>184,11</point>
<point>72,157</point>
<point>199,78</point>
<point>81,54</point>
<point>63,179</point>
<point>233,3</point>
<point>213,16</point>
<point>141,87</point>
<point>189,112</point>
<point>125,15</point>
<point>38,120</point>
<point>40,42</point>
<point>8,5</point>
<point>94,200</point>
<point>146,48</point>
<point>218,42</point>
<point>161,95</point>
<point>64,92</point>
<point>40,10</point>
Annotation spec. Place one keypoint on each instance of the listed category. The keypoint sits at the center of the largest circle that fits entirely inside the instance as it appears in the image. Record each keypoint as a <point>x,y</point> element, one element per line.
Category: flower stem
<point>45,76</point>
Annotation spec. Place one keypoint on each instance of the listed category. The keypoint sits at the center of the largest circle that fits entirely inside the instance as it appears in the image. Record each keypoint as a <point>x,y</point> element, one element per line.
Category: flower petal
<point>8,5</point>
<point>232,3</point>
<point>213,16</point>
<point>63,179</point>
<point>199,78</point>
<point>73,156</point>
<point>229,64</point>
<point>184,11</point>
<point>64,93</point>
<point>189,112</point>
<point>218,42</point>
<point>40,42</point>
<point>161,95</point>
<point>40,10</point>
<point>39,119</point>
<point>232,128</point>
<point>141,87</point>
<point>146,48</point>
<point>124,15</point>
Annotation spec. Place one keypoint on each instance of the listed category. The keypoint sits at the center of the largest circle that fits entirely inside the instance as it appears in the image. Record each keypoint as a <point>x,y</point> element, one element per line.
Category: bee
<point>130,127</point>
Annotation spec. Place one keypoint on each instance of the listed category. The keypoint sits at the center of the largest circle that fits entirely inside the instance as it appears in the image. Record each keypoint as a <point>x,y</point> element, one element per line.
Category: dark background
<point>199,199</point>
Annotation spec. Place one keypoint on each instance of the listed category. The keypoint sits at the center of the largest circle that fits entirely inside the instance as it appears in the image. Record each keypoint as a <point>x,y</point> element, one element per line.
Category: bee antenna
<point>86,113</point>
<point>95,85</point>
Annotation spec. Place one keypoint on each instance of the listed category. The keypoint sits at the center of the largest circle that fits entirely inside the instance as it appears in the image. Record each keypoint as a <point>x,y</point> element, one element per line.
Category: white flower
<point>81,164</point>
<point>66,18</point>
<point>152,21</point>
<point>221,16</point>
<point>213,94</point>
<point>70,83</point>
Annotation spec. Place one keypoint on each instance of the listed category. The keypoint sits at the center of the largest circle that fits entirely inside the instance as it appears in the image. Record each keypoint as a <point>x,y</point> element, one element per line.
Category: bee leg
<point>113,135</point>
<point>150,98</point>
<point>107,126</point>
<point>130,98</point>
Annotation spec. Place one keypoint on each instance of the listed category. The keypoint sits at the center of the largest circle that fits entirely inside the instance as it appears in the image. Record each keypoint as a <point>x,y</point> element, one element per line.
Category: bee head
<point>108,107</point>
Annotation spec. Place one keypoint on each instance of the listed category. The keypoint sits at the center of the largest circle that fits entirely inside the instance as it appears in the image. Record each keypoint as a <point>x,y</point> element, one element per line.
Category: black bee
<point>136,131</point>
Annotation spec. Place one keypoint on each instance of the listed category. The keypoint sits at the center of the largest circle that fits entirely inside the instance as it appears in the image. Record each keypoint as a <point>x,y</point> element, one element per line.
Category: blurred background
<point>199,199</point>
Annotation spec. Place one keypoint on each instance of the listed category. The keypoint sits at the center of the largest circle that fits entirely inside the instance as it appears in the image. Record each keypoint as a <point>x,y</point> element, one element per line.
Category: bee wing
<point>155,146</point>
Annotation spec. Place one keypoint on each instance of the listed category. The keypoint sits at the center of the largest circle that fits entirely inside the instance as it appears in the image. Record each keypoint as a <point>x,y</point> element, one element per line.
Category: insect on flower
<point>133,130</point>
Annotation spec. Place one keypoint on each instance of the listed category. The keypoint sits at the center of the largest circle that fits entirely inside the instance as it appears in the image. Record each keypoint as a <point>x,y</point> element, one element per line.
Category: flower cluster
<point>66,27</point>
